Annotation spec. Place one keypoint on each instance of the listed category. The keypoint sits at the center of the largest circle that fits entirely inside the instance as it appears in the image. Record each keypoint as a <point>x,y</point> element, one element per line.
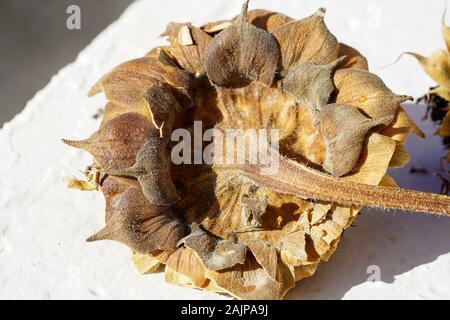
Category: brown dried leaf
<point>117,143</point>
<point>240,53</point>
<point>311,84</point>
<point>215,254</point>
<point>306,40</point>
<point>140,225</point>
<point>344,129</point>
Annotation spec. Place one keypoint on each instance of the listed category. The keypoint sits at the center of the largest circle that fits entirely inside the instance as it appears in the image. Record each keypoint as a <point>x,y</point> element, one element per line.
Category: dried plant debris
<point>437,66</point>
<point>229,228</point>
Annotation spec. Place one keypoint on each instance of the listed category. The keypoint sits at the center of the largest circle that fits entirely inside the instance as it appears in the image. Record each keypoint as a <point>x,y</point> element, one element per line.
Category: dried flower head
<point>437,66</point>
<point>228,227</point>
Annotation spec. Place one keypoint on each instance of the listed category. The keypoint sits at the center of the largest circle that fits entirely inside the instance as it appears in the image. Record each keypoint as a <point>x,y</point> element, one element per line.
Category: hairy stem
<point>298,180</point>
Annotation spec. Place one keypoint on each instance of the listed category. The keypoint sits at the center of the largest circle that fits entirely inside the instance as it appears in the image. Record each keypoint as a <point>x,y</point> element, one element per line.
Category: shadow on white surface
<point>396,242</point>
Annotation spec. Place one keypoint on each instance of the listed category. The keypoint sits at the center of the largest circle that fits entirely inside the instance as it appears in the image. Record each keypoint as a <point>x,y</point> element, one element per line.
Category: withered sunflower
<point>229,228</point>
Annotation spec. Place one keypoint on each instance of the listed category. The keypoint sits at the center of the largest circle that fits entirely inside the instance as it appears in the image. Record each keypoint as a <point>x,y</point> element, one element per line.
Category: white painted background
<point>43,225</point>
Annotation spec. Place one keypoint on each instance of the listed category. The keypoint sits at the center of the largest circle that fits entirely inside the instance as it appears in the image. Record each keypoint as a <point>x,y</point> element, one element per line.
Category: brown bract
<point>251,235</point>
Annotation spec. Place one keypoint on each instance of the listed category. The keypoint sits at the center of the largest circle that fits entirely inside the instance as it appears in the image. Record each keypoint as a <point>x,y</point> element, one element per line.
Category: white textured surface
<point>43,225</point>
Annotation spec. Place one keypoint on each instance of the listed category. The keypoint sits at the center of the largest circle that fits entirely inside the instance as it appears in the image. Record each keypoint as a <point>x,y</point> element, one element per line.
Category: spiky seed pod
<point>251,235</point>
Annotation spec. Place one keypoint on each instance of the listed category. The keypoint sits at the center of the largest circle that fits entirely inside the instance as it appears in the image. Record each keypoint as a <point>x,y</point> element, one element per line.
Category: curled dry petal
<point>306,40</point>
<point>142,226</point>
<point>215,254</point>
<point>344,128</point>
<point>117,143</point>
<point>153,172</point>
<point>240,53</point>
<point>311,84</point>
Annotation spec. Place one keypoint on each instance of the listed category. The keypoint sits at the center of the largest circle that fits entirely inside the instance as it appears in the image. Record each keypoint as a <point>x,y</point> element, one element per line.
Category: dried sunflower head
<point>229,227</point>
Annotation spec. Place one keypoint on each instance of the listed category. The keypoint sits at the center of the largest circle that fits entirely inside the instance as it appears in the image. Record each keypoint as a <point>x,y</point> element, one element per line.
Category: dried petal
<point>240,53</point>
<point>376,157</point>
<point>265,254</point>
<point>388,181</point>
<point>400,128</point>
<point>188,46</point>
<point>311,84</point>
<point>445,31</point>
<point>215,254</point>
<point>293,250</point>
<point>353,59</point>
<point>344,128</point>
<point>153,172</point>
<point>142,226</point>
<point>85,185</point>
<point>437,66</point>
<point>144,263</point>
<point>267,20</point>
<point>185,262</point>
<point>117,143</point>
<point>441,92</point>
<point>306,40</point>
<point>217,26</point>
<point>444,129</point>
<point>400,157</point>
<point>126,84</point>
<point>250,281</point>
<point>365,90</point>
